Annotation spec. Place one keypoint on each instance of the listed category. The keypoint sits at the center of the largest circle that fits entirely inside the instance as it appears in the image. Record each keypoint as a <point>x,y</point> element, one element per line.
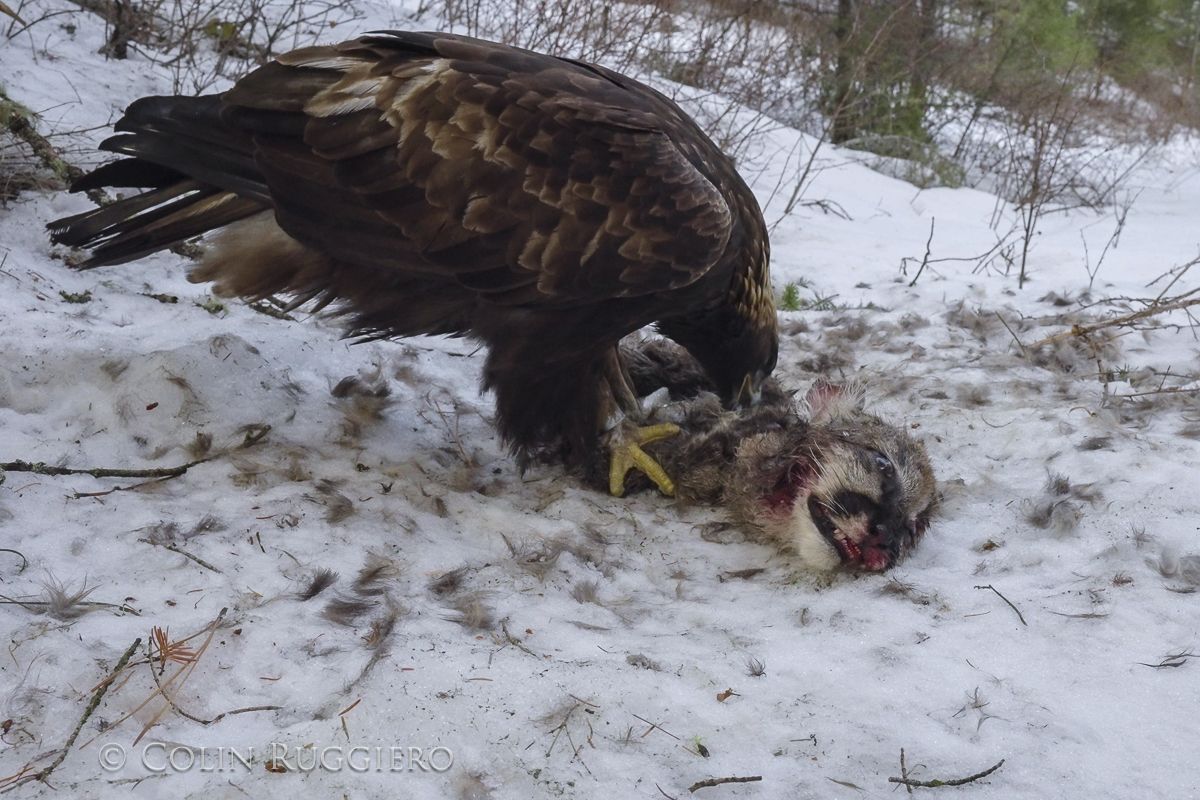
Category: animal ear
<point>827,401</point>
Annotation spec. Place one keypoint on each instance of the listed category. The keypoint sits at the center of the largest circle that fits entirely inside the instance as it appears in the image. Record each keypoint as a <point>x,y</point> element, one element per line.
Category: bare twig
<point>718,781</point>
<point>515,642</point>
<point>1167,390</point>
<point>957,782</point>
<point>1005,599</point>
<point>183,553</point>
<point>925,260</point>
<point>215,719</point>
<point>653,726</point>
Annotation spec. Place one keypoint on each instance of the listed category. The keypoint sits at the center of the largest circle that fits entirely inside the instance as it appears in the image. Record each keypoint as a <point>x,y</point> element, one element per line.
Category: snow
<point>606,628</point>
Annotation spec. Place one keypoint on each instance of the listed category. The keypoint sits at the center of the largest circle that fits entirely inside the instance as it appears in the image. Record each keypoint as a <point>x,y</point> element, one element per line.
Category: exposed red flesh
<point>782,497</point>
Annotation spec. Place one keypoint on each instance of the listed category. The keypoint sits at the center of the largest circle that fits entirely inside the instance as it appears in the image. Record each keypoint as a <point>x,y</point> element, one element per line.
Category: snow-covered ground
<point>538,639</point>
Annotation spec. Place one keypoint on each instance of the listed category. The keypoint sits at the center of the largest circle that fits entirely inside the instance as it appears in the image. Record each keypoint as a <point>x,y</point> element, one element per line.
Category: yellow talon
<point>627,454</point>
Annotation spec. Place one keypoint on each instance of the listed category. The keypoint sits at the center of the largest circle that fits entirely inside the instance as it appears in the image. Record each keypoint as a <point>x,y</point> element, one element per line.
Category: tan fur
<point>255,258</point>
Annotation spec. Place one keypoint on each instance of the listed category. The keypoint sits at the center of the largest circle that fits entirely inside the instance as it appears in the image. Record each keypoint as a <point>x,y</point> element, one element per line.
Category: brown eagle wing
<point>531,180</point>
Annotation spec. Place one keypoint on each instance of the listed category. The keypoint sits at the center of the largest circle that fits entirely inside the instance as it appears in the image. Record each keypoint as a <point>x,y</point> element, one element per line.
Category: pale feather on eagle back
<point>436,184</point>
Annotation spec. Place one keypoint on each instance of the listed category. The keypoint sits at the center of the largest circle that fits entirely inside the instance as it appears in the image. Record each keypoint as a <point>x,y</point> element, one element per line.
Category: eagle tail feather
<point>199,174</point>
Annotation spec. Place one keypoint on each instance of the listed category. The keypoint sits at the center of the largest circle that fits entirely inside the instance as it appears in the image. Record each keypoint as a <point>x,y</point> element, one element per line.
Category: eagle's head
<point>738,363</point>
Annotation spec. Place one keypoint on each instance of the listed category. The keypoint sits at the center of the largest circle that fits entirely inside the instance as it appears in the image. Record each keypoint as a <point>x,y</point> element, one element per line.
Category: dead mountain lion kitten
<point>838,486</point>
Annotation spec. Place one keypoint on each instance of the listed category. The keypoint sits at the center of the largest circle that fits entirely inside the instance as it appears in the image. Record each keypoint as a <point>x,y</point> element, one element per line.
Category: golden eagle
<point>436,184</point>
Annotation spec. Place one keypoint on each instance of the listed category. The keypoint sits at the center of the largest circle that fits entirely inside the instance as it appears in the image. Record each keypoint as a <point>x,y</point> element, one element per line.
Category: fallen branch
<point>957,782</point>
<point>99,472</point>
<point>20,120</point>
<point>1182,301</point>
<point>719,781</point>
<point>185,670</point>
<point>91,709</point>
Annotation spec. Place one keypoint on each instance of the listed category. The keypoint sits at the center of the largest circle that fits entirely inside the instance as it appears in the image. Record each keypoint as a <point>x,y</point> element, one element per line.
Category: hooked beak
<point>750,393</point>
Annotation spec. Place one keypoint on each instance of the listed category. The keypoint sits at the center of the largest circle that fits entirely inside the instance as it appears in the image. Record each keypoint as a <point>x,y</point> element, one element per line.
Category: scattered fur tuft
<point>320,581</point>
<point>973,396</point>
<point>471,613</point>
<point>472,787</point>
<point>755,667</point>
<point>382,627</point>
<point>448,583</point>
<point>1184,570</point>
<point>63,602</point>
<point>642,662</point>
<point>908,591</point>
<point>587,592</point>
<point>200,446</point>
<point>374,575</point>
<point>537,559</point>
<point>363,401</point>
<point>1057,509</point>
<point>206,524</point>
<point>338,507</point>
<point>342,610</point>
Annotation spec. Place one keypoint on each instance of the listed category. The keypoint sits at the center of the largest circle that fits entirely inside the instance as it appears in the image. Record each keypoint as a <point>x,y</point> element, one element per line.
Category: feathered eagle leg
<point>624,441</point>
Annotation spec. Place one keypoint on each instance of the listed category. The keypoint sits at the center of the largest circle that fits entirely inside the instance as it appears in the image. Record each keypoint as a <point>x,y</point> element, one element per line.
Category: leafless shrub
<point>202,43</point>
<point>747,50</point>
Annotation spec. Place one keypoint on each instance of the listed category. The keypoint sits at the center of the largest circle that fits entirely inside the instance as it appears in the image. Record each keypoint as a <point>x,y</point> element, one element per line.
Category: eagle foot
<point>625,445</point>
